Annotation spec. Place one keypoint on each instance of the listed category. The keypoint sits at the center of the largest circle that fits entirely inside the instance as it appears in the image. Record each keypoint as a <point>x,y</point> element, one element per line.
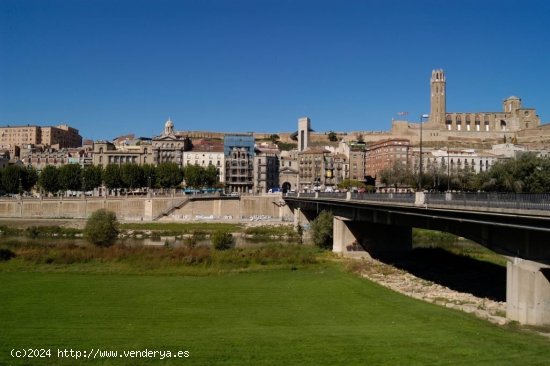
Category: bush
<point>102,228</point>
<point>34,232</point>
<point>221,240</point>
<point>6,254</point>
<point>321,230</point>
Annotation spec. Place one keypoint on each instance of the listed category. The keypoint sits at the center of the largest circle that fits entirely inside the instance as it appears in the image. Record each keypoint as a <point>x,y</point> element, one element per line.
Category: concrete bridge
<point>514,225</point>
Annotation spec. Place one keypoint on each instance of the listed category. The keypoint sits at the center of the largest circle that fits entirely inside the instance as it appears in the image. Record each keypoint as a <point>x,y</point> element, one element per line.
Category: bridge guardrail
<point>333,194</point>
<point>520,201</point>
<point>384,197</point>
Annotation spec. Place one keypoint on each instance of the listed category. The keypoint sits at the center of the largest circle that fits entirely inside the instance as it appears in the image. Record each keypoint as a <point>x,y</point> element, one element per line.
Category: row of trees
<point>527,173</point>
<point>72,177</point>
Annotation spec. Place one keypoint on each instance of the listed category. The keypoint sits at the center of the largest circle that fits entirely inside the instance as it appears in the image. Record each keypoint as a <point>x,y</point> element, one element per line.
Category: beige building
<point>356,161</point>
<point>170,146</point>
<point>39,157</point>
<point>105,153</point>
<point>316,169</point>
<point>266,169</point>
<point>288,170</point>
<point>62,136</point>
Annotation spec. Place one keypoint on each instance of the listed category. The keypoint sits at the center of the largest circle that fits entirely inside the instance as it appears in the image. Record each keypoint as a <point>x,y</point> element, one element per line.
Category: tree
<point>70,177</point>
<point>350,183</point>
<point>91,177</point>
<point>112,176</point>
<point>169,175</point>
<point>132,176</point>
<point>48,179</point>
<point>321,229</point>
<point>274,138</point>
<point>332,136</point>
<point>150,175</point>
<point>397,175</point>
<point>29,179</point>
<point>221,240</point>
<point>101,228</point>
<point>12,177</point>
<point>210,176</point>
<point>194,176</point>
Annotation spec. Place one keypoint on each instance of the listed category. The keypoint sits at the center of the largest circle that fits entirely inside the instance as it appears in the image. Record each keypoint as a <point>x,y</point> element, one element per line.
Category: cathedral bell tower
<point>437,101</point>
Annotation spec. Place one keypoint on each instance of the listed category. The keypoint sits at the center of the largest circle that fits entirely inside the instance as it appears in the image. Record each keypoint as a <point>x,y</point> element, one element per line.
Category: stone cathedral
<point>514,123</point>
<point>512,118</point>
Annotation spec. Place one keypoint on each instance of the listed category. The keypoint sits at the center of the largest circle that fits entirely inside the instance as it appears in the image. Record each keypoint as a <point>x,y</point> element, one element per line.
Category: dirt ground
<point>24,223</point>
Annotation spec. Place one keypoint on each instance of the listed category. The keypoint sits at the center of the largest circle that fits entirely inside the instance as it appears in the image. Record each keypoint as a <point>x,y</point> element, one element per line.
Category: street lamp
<point>422,117</point>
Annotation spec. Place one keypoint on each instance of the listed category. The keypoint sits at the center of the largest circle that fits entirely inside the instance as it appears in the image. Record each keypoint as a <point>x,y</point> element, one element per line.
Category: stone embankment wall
<point>146,209</point>
<point>246,207</point>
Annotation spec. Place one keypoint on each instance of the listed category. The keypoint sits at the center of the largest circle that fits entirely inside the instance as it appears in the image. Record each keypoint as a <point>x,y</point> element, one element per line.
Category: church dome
<point>169,124</point>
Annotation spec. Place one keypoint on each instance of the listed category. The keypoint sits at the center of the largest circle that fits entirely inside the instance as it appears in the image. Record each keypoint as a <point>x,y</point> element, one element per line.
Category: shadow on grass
<point>457,272</point>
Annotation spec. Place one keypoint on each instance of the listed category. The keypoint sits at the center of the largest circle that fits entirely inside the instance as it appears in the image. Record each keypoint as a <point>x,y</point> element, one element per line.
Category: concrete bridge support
<point>300,218</point>
<point>342,236</point>
<point>528,292</point>
<point>379,240</point>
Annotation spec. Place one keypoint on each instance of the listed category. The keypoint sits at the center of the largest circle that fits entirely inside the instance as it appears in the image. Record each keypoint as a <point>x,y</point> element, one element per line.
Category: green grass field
<point>316,314</point>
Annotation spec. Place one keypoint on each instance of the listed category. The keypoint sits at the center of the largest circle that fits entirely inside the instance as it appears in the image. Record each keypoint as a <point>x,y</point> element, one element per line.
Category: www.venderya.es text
<point>95,353</point>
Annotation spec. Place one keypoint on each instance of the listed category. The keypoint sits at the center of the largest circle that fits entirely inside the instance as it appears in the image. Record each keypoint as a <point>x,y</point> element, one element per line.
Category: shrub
<point>101,228</point>
<point>32,232</point>
<point>221,240</point>
<point>6,254</point>
<point>321,230</point>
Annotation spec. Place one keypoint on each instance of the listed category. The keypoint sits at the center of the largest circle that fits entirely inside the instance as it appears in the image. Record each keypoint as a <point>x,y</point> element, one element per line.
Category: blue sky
<point>115,67</point>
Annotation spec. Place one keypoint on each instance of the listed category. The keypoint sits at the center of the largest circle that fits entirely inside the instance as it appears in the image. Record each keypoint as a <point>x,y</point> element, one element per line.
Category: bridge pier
<point>300,218</point>
<point>379,240</point>
<point>527,292</point>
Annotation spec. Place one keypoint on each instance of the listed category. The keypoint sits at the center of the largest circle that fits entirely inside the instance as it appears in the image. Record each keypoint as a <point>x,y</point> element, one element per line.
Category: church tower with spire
<point>437,101</point>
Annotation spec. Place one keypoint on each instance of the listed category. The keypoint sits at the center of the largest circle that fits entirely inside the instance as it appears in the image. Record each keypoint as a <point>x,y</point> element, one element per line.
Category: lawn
<point>312,315</point>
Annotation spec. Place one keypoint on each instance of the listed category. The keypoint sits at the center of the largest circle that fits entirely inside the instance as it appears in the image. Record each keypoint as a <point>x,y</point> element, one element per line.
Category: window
<point>503,125</point>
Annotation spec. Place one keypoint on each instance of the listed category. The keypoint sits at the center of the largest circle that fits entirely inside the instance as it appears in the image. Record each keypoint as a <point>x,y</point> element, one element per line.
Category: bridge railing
<point>520,201</point>
<point>341,195</point>
<point>384,197</point>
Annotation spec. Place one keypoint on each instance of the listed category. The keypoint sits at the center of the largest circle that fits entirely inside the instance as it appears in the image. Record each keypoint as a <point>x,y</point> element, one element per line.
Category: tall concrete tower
<point>437,101</point>
<point>303,133</point>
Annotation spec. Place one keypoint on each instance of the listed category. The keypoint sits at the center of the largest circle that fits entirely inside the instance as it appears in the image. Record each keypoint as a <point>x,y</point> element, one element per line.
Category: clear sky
<point>112,67</point>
